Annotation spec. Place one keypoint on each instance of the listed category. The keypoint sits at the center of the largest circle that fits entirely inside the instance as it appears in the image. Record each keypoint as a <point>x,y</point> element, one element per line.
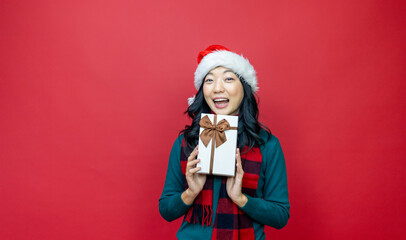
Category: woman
<point>216,207</point>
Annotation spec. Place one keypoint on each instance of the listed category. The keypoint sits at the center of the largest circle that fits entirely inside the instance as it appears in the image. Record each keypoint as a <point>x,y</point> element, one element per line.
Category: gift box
<point>217,144</point>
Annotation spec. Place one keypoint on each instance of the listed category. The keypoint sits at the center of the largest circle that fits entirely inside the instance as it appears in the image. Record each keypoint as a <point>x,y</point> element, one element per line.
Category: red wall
<point>92,95</point>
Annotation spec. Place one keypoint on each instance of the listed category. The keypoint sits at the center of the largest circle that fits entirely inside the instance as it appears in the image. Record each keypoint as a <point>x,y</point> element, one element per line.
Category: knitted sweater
<point>270,206</point>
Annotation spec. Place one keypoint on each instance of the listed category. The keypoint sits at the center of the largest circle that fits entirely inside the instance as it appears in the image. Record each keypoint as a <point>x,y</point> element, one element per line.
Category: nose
<point>218,85</point>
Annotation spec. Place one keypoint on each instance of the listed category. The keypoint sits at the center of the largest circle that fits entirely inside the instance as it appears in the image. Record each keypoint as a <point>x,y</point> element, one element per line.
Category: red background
<point>92,95</point>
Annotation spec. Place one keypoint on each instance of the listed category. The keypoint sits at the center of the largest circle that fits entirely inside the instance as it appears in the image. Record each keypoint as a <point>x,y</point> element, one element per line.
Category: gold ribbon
<point>214,132</point>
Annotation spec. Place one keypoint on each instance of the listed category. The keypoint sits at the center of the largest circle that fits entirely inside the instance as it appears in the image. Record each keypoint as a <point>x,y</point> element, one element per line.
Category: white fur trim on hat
<point>191,100</point>
<point>240,65</point>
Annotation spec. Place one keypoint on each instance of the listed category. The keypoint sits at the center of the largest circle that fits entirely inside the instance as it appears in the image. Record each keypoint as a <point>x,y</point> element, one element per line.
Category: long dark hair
<point>248,124</point>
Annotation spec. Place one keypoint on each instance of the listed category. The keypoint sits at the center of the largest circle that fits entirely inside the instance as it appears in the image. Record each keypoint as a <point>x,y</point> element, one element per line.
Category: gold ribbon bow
<point>214,131</point>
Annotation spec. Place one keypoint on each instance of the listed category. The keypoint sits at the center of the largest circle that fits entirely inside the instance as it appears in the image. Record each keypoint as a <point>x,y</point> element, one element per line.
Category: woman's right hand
<point>194,180</point>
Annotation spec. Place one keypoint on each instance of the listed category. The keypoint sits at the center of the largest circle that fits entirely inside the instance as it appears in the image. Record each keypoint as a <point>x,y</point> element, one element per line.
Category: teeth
<point>220,99</point>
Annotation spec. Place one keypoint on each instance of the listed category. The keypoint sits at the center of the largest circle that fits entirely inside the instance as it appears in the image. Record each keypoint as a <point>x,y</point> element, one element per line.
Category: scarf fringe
<point>201,214</point>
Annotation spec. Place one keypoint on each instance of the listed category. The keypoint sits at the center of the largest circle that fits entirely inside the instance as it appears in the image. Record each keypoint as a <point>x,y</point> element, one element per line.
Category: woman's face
<point>223,91</point>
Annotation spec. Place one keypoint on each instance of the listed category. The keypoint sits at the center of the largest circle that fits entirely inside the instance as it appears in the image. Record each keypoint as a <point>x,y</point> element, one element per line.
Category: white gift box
<point>222,160</point>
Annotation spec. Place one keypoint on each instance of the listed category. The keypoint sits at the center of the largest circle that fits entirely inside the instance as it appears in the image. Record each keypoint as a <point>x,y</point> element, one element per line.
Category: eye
<point>229,79</point>
<point>208,80</point>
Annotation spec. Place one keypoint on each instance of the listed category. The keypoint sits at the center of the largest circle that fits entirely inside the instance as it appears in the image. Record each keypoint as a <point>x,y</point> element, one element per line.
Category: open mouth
<point>220,102</point>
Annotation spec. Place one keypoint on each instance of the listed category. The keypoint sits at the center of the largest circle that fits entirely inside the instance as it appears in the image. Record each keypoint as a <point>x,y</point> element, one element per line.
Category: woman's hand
<point>234,184</point>
<point>194,180</point>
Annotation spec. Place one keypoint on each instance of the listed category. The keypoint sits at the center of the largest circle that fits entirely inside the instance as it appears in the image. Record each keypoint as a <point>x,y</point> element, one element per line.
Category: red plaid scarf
<point>230,222</point>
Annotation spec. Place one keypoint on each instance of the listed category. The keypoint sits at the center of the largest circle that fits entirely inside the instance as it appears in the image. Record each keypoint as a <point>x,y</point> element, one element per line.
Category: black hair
<point>248,124</point>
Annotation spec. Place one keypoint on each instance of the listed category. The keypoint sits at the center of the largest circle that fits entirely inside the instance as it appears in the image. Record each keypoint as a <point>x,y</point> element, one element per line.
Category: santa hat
<point>217,55</point>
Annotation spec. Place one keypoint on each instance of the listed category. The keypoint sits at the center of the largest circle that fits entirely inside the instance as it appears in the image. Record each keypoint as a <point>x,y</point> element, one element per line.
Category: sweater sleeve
<point>171,205</point>
<point>272,207</point>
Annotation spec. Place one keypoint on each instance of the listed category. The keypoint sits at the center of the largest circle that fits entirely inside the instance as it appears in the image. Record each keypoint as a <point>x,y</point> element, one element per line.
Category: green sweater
<point>270,206</point>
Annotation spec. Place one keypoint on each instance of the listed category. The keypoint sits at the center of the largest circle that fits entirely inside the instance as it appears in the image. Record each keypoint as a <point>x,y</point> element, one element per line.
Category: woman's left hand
<point>234,184</point>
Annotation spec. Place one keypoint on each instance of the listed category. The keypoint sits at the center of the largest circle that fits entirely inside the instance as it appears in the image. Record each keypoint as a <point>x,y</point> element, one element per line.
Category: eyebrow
<point>225,71</point>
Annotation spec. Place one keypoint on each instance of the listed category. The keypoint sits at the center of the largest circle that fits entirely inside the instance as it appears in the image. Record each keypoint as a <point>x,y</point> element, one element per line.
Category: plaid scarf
<point>230,221</point>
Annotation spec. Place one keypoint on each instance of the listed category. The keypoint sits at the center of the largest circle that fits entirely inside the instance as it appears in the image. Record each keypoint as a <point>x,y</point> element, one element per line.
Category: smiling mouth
<point>221,102</point>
